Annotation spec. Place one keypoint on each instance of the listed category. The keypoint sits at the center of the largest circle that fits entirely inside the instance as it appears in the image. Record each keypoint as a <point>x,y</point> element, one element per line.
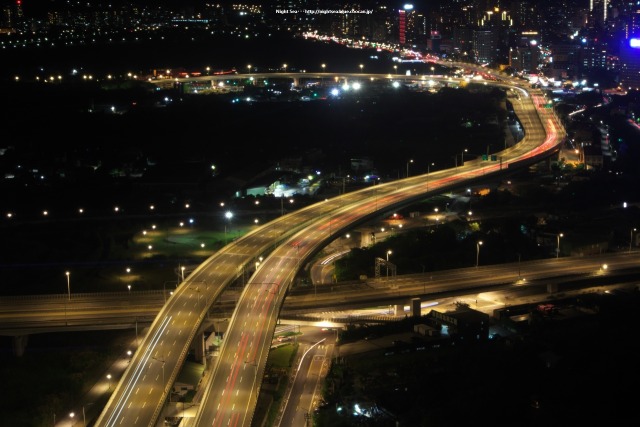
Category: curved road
<point>231,394</point>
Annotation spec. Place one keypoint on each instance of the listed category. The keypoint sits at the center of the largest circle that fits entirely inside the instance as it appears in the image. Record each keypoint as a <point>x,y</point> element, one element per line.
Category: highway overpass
<point>285,243</point>
<point>36,314</point>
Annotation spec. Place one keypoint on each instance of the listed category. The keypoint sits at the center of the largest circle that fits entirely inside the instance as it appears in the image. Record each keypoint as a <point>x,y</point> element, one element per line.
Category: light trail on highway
<point>310,229</point>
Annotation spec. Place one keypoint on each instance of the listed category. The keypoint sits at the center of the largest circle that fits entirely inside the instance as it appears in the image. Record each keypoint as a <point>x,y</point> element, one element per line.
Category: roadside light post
<point>72,415</point>
<point>84,418</point>
<point>164,288</point>
<point>428,170</point>
<point>633,230</point>
<point>388,253</point>
<point>109,379</point>
<point>182,272</point>
<point>410,161</point>
<point>462,157</point>
<point>519,255</point>
<point>558,247</point>
<point>478,244</point>
<point>163,362</point>
<point>228,215</point>
<point>68,274</point>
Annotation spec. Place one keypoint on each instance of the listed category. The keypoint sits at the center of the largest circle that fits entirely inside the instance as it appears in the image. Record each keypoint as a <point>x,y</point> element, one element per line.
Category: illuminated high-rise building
<point>12,15</point>
<point>630,64</point>
<point>18,9</point>
<point>402,26</point>
<point>598,10</point>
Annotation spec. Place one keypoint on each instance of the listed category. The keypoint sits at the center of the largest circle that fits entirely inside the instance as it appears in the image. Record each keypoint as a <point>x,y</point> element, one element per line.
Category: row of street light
<point>323,66</point>
<point>128,270</point>
<point>462,154</point>
<point>411,161</point>
<point>81,211</point>
<point>72,414</point>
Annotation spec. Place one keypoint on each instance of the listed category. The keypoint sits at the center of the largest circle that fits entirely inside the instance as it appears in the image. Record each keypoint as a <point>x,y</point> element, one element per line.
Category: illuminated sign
<point>634,43</point>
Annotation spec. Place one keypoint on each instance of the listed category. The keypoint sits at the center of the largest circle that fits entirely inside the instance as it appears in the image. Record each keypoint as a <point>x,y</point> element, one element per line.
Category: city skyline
<point>569,41</point>
<point>110,140</point>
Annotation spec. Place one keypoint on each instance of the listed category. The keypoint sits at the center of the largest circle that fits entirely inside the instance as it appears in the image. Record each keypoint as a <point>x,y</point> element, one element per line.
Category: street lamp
<point>428,170</point>
<point>109,378</point>
<point>72,415</point>
<point>182,272</point>
<point>395,69</point>
<point>410,161</point>
<point>388,253</point>
<point>249,68</point>
<point>68,274</point>
<point>558,248</point>
<point>361,67</point>
<point>478,244</point>
<point>323,67</point>
<point>462,157</point>
<point>164,288</point>
<point>163,362</point>
<point>285,67</point>
<point>84,418</point>
<point>228,215</point>
<point>631,239</point>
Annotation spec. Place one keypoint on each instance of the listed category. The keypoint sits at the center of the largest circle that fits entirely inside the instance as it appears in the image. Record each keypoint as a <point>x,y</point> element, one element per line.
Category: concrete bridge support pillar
<point>198,347</point>
<point>415,309</point>
<point>398,309</point>
<point>19,344</point>
<point>296,81</point>
<point>548,161</point>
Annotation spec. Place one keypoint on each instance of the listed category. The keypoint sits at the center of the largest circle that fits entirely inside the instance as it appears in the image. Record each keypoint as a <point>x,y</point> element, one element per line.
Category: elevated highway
<point>285,243</point>
<point>20,315</point>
